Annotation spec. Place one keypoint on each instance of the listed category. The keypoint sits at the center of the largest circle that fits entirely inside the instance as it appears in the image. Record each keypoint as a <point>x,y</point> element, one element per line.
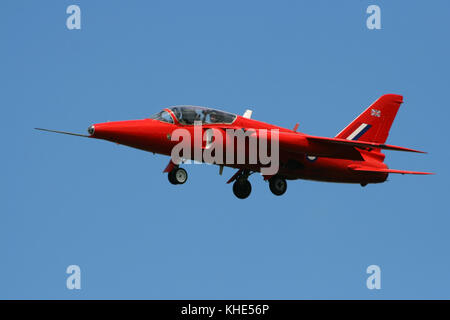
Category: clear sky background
<point>109,209</point>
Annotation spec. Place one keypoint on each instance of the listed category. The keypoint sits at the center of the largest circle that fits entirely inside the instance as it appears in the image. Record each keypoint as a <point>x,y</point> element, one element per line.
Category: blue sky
<point>110,210</point>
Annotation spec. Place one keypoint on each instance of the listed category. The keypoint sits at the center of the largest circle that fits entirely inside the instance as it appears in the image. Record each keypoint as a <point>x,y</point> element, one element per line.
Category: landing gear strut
<point>277,185</point>
<point>177,176</point>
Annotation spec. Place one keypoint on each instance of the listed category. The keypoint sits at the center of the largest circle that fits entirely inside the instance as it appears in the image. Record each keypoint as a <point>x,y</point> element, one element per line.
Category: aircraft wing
<point>359,144</point>
<point>299,143</point>
<point>329,147</point>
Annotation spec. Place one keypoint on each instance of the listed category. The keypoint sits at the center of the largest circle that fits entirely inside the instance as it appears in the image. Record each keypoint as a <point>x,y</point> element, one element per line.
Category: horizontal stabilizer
<point>382,170</point>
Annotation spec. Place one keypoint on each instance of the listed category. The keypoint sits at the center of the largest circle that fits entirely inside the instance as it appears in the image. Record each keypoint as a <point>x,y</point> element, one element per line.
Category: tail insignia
<point>375,113</point>
<point>355,135</point>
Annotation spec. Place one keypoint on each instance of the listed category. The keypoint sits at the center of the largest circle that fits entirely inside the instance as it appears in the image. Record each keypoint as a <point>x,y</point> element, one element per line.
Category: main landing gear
<point>277,185</point>
<point>242,187</point>
<point>177,176</point>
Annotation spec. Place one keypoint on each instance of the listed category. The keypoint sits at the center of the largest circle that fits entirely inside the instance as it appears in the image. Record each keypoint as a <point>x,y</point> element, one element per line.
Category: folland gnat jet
<point>353,156</point>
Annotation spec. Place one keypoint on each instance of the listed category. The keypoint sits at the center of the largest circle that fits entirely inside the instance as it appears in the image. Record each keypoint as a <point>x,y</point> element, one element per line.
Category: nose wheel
<point>277,185</point>
<point>177,176</point>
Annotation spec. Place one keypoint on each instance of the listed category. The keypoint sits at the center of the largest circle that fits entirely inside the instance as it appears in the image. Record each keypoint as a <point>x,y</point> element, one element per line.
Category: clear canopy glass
<point>187,115</point>
<point>163,116</point>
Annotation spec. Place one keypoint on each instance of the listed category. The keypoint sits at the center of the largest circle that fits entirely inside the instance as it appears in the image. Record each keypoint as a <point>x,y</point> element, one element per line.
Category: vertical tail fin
<point>374,123</point>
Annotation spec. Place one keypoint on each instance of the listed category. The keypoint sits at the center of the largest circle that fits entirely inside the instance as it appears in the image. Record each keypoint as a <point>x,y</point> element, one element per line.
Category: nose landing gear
<point>177,176</point>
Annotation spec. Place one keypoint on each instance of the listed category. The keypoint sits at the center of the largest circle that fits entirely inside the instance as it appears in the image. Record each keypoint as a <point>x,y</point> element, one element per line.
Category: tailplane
<point>384,170</point>
<point>374,123</point>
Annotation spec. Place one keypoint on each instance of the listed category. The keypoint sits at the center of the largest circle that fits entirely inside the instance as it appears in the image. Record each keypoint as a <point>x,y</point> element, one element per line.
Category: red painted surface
<point>336,159</point>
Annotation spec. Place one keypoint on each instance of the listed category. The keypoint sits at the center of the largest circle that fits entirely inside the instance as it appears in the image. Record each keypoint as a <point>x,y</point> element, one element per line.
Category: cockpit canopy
<point>187,115</point>
<point>163,116</point>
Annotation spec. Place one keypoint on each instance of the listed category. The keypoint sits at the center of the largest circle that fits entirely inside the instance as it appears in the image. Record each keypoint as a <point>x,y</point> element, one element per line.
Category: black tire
<point>171,178</point>
<point>177,176</point>
<point>277,185</point>
<point>242,188</point>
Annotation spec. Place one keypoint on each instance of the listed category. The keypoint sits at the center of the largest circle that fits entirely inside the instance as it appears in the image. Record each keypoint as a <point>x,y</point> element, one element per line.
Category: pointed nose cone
<point>118,130</point>
<point>134,133</point>
<point>91,130</point>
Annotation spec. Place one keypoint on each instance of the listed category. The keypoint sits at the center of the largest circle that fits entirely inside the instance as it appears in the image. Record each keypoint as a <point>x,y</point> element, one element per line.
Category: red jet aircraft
<point>353,156</point>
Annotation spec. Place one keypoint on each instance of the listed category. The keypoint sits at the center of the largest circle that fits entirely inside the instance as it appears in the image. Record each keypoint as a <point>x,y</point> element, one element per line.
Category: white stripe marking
<point>357,131</point>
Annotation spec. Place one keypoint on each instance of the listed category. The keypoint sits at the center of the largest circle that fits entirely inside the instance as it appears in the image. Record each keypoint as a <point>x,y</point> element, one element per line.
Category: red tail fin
<point>374,123</point>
